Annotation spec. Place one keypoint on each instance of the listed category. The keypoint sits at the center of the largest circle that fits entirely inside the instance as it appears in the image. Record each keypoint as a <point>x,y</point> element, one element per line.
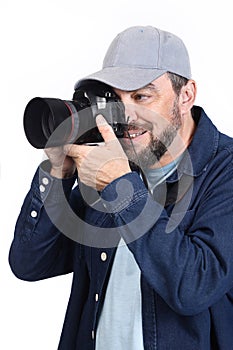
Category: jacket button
<point>103,256</point>
<point>97,297</point>
<point>33,214</point>
<point>93,335</point>
<point>42,188</point>
<point>45,181</point>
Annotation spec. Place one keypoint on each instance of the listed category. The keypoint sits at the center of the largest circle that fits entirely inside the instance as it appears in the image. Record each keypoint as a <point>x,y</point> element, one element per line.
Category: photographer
<point>147,232</point>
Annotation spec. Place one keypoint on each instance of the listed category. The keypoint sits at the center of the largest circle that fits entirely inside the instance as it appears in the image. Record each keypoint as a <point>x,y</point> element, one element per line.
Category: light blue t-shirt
<point>120,323</point>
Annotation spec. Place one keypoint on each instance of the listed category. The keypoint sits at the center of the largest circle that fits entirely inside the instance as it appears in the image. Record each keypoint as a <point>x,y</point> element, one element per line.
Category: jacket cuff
<point>44,185</point>
<point>124,192</point>
<point>132,207</point>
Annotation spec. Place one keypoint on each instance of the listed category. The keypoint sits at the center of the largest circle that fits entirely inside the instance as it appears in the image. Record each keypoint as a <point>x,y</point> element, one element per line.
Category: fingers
<point>53,151</point>
<point>55,155</point>
<point>71,150</point>
<point>105,129</point>
<point>77,151</point>
<point>61,165</point>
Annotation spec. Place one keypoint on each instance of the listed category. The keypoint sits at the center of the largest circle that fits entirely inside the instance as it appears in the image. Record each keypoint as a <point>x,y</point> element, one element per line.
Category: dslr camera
<point>52,122</point>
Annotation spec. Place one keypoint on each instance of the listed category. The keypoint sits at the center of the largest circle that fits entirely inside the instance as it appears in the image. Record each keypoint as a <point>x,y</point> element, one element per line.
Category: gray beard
<point>158,145</point>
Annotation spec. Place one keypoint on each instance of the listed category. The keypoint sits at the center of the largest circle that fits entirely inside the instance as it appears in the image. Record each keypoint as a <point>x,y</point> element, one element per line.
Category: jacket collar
<point>201,150</point>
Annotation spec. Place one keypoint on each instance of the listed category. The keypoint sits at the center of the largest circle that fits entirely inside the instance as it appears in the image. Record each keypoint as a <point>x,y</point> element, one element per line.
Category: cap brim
<point>125,78</point>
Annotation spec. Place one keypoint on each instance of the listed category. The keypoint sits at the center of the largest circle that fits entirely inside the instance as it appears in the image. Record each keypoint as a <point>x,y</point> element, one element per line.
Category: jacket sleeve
<point>39,249</point>
<point>190,266</point>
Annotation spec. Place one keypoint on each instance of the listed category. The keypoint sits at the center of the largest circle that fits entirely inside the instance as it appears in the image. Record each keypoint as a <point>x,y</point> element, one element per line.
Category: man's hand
<point>62,166</point>
<point>99,165</point>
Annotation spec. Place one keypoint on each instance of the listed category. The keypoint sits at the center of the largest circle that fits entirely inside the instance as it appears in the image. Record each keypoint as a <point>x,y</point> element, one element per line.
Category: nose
<point>130,112</point>
<point>130,106</point>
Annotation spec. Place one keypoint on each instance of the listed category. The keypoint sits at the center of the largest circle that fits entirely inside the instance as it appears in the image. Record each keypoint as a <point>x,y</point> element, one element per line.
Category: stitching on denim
<point>129,201</point>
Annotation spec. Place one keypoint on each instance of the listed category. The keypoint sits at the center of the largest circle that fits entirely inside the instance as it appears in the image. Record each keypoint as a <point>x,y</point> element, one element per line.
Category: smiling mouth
<point>133,132</point>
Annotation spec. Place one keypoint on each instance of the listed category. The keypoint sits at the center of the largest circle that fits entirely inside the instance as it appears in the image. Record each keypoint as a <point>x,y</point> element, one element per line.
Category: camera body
<point>51,122</point>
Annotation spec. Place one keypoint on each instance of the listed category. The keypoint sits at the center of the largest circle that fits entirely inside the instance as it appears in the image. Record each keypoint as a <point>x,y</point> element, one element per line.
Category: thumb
<point>105,129</point>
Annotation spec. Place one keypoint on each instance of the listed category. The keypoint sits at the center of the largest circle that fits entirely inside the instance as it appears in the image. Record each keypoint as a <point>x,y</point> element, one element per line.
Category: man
<point>156,271</point>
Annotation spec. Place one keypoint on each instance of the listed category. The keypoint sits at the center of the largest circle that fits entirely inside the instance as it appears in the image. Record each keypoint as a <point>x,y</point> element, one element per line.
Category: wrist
<point>61,173</point>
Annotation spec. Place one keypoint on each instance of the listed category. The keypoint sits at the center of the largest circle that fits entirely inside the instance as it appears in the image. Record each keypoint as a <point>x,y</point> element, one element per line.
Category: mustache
<point>131,126</point>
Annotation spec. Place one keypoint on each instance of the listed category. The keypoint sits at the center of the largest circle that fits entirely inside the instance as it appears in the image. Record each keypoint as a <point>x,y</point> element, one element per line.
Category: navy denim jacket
<point>182,242</point>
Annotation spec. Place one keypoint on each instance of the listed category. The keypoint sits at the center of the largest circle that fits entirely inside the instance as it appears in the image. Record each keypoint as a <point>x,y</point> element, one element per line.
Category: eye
<point>141,97</point>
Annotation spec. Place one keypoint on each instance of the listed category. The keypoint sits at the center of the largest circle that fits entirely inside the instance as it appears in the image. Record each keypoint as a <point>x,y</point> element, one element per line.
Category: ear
<point>187,96</point>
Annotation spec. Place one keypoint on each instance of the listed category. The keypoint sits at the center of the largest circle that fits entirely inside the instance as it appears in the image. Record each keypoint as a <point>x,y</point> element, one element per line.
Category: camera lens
<point>51,122</point>
<point>44,117</point>
<point>47,121</point>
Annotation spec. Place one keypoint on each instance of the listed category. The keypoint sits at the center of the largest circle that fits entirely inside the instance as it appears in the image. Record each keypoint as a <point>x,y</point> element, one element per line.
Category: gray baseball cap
<point>139,55</point>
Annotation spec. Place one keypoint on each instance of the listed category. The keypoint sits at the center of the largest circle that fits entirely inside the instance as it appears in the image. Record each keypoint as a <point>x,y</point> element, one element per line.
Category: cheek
<point>159,125</point>
<point>162,117</point>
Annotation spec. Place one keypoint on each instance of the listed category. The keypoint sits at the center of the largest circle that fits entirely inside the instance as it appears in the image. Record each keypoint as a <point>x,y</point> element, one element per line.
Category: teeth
<point>132,136</point>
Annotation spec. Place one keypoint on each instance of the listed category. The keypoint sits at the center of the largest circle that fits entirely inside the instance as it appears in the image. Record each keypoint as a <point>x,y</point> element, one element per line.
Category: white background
<point>46,46</point>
